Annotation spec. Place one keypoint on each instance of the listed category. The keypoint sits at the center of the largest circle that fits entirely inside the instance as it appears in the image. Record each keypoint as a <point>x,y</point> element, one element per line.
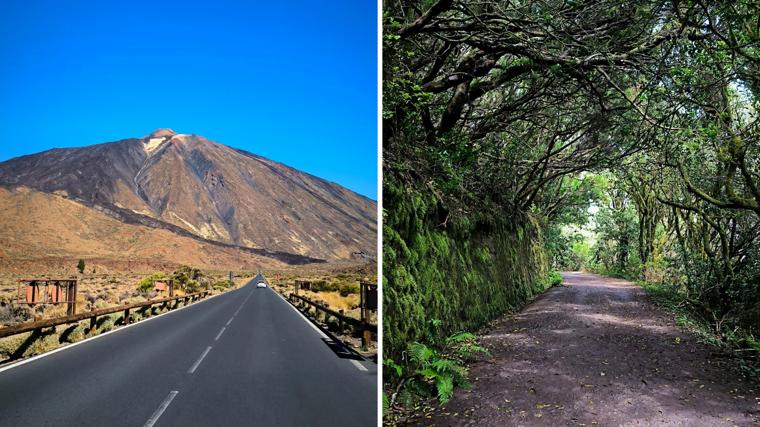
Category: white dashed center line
<point>198,362</point>
<point>165,404</point>
<point>219,334</point>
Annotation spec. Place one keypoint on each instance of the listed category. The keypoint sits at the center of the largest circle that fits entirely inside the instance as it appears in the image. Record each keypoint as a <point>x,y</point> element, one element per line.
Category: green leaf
<point>445,387</point>
<point>420,353</point>
<point>428,373</point>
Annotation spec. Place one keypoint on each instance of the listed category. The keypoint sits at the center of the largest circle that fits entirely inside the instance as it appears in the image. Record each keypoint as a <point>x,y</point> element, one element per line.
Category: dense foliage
<point>502,116</point>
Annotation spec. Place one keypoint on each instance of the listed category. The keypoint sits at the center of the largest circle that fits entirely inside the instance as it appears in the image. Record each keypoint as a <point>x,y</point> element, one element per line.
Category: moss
<point>464,275</point>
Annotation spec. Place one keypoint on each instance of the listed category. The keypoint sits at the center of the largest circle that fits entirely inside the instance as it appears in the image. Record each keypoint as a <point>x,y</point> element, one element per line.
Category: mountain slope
<point>191,185</point>
<point>47,227</point>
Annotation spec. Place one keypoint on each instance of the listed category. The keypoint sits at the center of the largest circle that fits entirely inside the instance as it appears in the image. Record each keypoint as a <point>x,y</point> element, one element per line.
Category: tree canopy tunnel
<point>506,119</point>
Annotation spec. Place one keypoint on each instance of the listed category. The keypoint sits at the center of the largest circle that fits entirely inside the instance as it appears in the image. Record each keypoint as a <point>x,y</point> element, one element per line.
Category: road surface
<point>597,352</point>
<point>243,358</point>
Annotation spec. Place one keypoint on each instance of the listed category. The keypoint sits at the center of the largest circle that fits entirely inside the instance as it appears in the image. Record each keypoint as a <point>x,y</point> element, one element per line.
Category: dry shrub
<point>6,314</point>
<point>72,334</point>
<point>9,345</point>
<point>47,341</point>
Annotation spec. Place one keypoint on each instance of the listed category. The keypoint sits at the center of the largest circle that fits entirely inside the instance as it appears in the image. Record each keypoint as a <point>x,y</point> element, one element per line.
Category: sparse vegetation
<point>338,290</point>
<point>146,284</point>
<point>95,292</point>
<point>343,288</point>
<point>326,285</point>
<point>72,334</point>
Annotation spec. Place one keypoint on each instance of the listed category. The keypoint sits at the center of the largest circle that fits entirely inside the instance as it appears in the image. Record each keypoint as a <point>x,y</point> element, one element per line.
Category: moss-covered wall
<point>464,274</point>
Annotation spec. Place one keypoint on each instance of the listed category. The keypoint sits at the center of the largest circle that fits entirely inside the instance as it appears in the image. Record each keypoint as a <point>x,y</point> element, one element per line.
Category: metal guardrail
<point>342,319</point>
<point>93,315</point>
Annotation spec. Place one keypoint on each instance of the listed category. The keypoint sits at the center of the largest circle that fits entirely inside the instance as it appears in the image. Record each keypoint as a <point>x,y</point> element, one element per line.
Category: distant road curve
<point>244,358</point>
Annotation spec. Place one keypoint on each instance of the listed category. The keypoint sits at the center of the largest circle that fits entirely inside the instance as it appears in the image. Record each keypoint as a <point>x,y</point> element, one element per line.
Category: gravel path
<point>596,352</point>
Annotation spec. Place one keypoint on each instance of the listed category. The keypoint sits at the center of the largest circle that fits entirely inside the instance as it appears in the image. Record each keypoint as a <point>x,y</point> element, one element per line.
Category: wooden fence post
<point>71,293</point>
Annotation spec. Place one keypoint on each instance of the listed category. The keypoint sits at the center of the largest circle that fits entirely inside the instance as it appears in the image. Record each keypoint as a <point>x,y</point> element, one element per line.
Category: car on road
<point>261,285</point>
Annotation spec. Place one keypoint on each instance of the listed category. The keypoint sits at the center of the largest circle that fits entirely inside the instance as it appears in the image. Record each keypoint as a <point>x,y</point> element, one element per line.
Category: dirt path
<point>596,352</point>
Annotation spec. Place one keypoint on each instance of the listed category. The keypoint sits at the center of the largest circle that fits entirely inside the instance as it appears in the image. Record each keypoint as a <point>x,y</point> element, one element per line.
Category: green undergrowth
<point>432,372</point>
<point>555,279</point>
<point>742,345</point>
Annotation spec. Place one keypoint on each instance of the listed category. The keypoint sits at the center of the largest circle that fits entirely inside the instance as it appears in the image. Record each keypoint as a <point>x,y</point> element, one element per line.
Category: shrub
<point>6,313</point>
<point>192,286</point>
<point>72,334</point>
<point>146,285</point>
<point>554,278</point>
<point>9,345</point>
<point>107,323</point>
<point>347,289</point>
<point>48,341</point>
<point>223,284</point>
<point>322,286</point>
<point>14,313</point>
<point>184,275</point>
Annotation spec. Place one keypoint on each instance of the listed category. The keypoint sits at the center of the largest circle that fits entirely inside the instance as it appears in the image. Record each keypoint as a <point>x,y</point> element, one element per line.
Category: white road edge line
<point>220,334</point>
<point>198,362</point>
<point>165,404</point>
<point>358,365</point>
<point>319,331</point>
<point>229,321</point>
<point>120,328</point>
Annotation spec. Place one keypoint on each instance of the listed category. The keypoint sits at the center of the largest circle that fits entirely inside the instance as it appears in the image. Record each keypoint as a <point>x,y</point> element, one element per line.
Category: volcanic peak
<point>160,133</point>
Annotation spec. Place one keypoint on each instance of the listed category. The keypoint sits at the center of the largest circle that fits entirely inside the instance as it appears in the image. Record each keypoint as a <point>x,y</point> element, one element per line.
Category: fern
<point>420,353</point>
<point>460,337</point>
<point>398,369</point>
<point>428,373</point>
<point>445,387</point>
<point>452,367</point>
<point>436,372</point>
<point>465,345</point>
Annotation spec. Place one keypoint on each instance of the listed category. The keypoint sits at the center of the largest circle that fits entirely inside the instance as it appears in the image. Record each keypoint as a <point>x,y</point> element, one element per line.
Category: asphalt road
<point>244,358</point>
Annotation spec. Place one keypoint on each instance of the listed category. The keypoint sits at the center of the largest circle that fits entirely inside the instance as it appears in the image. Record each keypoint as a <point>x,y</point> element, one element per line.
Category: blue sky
<point>291,81</point>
